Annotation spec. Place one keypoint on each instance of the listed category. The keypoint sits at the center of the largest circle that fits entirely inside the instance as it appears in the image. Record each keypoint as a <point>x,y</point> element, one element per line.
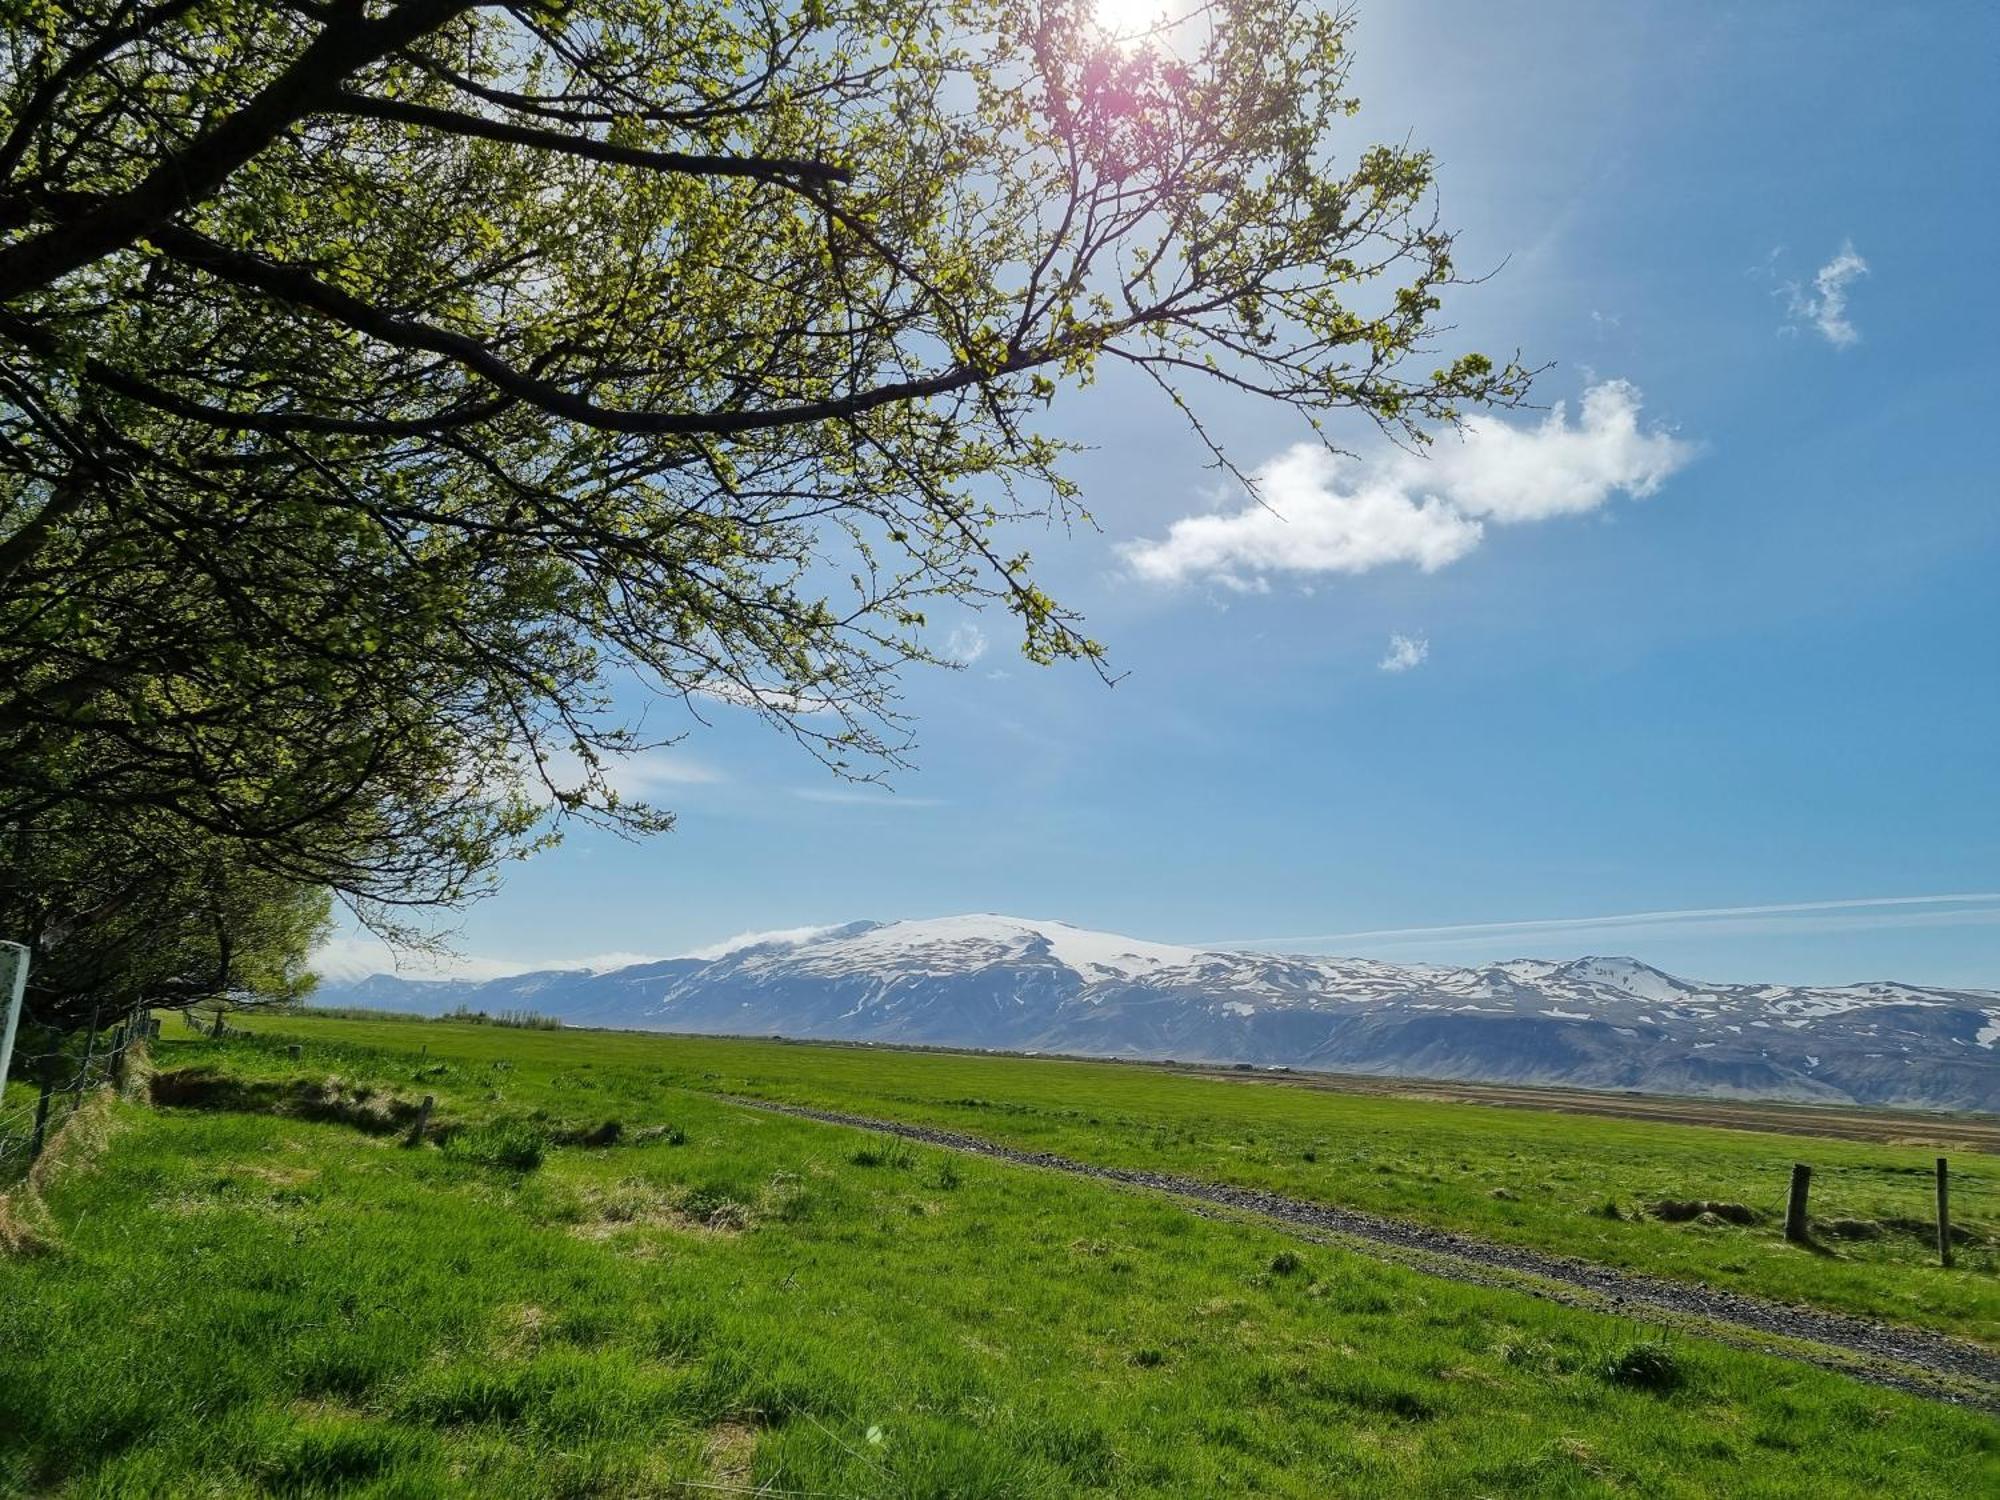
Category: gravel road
<point>1912,1359</point>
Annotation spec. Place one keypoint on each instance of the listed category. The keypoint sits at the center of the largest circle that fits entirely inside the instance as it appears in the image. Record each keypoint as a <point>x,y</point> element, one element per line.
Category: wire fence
<point>51,1076</point>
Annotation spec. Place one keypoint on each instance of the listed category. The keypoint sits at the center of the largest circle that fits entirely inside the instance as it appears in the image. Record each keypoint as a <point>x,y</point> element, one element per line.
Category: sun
<point>1128,17</point>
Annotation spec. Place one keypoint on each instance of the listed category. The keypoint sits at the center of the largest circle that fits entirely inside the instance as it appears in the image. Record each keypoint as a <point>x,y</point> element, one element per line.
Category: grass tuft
<point>895,1152</point>
<point>513,1145</point>
<point>1647,1365</point>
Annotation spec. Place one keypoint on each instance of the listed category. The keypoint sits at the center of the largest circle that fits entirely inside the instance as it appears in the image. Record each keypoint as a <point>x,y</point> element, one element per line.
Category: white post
<point>13,981</point>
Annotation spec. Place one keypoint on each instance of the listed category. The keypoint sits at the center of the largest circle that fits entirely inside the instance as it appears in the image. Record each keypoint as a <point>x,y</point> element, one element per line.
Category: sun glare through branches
<point>1129,18</point>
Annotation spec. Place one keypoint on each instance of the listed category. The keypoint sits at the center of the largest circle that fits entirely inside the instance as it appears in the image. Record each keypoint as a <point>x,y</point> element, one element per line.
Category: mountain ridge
<point>985,980</point>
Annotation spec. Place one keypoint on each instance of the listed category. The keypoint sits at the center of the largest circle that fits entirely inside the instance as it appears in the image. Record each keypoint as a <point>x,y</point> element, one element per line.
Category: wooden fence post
<point>217,1030</point>
<point>1943,1215</point>
<point>1795,1204</point>
<point>423,1120</point>
<point>41,1116</point>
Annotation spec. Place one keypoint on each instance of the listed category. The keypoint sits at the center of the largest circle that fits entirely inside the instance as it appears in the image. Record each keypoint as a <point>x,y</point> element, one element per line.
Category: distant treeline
<point>528,1020</point>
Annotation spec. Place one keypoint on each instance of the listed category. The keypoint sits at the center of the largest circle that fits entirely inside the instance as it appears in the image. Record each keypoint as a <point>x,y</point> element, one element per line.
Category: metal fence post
<point>13,982</point>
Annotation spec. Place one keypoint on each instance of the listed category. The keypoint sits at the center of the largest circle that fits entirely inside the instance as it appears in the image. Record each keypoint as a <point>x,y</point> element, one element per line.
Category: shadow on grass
<point>327,1100</point>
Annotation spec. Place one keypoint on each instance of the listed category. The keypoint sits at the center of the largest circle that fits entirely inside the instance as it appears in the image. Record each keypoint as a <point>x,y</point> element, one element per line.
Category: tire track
<point>1913,1359</point>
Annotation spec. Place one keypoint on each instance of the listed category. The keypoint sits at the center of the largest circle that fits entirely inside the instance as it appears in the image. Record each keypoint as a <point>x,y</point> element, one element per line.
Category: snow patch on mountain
<point>776,940</point>
<point>1628,976</point>
<point>952,944</point>
<point>1007,983</point>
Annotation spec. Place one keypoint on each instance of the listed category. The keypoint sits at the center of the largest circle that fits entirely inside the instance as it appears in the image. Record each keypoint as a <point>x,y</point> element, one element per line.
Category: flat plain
<point>601,1277</point>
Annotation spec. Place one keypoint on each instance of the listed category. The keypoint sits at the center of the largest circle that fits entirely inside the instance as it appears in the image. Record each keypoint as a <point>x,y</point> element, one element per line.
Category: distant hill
<point>1006,983</point>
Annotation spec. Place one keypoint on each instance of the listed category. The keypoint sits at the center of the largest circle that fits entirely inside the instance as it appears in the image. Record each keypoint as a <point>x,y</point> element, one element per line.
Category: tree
<point>123,911</point>
<point>382,381</point>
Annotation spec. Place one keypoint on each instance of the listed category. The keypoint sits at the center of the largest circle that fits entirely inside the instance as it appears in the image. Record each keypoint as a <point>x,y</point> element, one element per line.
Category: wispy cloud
<point>1405,652</point>
<point>351,956</point>
<point>855,796</point>
<point>1824,307</point>
<point>639,776</point>
<point>1318,512</point>
<point>769,699</point>
<point>1859,913</point>
<point>965,645</point>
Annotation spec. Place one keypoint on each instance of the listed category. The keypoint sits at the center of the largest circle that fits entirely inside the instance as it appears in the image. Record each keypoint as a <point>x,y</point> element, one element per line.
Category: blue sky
<point>1755,663</point>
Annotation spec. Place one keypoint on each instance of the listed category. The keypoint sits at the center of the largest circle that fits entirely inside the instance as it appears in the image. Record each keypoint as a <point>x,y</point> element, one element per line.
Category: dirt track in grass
<point>1910,1359</point>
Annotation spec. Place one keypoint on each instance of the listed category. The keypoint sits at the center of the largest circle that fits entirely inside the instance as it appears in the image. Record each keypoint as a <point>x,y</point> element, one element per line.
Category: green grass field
<point>243,1302</point>
<point>1517,1176</point>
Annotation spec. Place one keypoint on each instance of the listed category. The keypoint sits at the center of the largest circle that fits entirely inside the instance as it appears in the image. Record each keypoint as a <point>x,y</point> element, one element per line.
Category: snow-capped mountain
<point>1003,982</point>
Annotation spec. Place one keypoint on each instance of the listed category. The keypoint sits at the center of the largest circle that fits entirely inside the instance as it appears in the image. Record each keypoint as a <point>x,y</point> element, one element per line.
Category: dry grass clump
<point>137,1073</point>
<point>26,1226</point>
<point>637,1204</point>
<point>78,1141</point>
<point>1706,1210</point>
<point>523,1331</point>
<point>729,1452</point>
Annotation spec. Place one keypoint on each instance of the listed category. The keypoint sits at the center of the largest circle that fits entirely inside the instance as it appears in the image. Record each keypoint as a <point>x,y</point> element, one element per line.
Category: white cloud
<point>1405,652</point>
<point>1825,306</point>
<point>1508,474</point>
<point>1322,513</point>
<point>965,645</point>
